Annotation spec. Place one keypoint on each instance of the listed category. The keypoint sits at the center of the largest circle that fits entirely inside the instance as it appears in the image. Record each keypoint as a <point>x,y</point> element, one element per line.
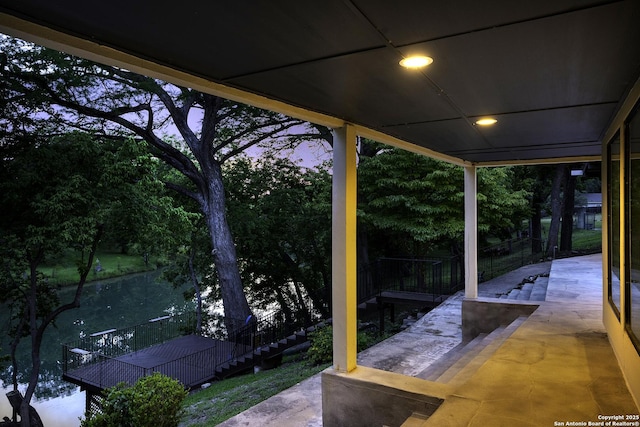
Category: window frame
<point>617,137</point>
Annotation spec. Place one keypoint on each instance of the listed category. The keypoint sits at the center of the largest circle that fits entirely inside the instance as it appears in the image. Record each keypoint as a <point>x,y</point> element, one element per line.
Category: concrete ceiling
<point>552,72</point>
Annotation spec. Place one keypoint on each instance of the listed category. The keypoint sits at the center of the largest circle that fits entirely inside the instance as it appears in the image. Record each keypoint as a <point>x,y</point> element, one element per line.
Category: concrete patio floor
<point>555,369</point>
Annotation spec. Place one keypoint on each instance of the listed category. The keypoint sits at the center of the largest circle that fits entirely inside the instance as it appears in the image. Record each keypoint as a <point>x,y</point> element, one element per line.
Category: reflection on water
<point>113,303</point>
<point>56,412</point>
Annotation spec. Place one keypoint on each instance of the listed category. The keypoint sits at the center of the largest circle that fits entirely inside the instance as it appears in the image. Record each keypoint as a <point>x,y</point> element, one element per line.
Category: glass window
<point>633,283</point>
<point>613,202</point>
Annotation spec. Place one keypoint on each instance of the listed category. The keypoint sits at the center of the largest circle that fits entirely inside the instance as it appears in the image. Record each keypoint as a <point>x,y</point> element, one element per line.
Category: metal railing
<point>114,342</point>
<point>103,351</point>
<point>401,275</point>
<point>190,370</point>
<point>507,256</point>
<point>442,275</point>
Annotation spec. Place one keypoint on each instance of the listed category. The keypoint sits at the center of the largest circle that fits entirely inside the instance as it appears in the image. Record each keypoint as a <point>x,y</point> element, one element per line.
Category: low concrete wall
<point>484,315</point>
<point>370,397</point>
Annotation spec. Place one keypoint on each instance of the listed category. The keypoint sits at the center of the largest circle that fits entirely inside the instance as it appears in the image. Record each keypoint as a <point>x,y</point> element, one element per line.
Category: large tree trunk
<point>236,308</point>
<point>36,341</point>
<point>536,224</point>
<point>556,210</point>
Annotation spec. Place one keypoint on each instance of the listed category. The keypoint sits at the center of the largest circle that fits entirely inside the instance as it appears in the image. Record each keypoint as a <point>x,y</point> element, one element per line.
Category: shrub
<point>321,349</point>
<point>153,401</point>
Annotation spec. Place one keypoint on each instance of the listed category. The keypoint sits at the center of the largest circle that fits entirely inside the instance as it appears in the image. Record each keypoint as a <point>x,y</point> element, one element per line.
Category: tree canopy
<point>415,203</point>
<point>281,216</point>
<point>211,130</point>
<point>66,194</point>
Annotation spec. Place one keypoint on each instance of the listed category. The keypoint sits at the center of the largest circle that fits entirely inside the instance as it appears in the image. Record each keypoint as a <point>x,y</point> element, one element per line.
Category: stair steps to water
<point>513,294</point>
<point>457,366</point>
<point>250,359</point>
<point>459,376</point>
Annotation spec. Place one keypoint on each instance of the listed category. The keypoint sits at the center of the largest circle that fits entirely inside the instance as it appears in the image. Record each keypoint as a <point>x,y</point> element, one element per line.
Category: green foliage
<point>415,203</point>
<point>153,401</point>
<point>321,349</point>
<point>119,102</point>
<point>3,359</point>
<point>280,214</point>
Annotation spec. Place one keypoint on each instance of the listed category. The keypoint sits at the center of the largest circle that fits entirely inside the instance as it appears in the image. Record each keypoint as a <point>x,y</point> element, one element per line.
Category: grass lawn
<point>64,270</point>
<point>582,240</point>
<point>225,399</point>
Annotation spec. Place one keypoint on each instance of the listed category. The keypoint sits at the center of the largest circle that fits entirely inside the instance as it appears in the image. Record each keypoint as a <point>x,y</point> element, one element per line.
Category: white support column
<point>470,232</point>
<point>343,252</point>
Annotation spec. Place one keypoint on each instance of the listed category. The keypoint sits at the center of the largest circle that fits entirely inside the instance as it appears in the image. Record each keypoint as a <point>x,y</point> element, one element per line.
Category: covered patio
<point>560,81</point>
<point>555,367</point>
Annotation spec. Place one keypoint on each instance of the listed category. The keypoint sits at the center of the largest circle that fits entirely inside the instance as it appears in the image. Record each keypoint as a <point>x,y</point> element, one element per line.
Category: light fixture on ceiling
<point>486,122</point>
<point>417,61</point>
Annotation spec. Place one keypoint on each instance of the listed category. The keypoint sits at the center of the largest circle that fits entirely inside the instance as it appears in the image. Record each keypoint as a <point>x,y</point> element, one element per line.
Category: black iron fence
<point>506,256</point>
<point>442,276</point>
<point>114,342</point>
<point>102,351</point>
<point>103,371</point>
<point>400,274</point>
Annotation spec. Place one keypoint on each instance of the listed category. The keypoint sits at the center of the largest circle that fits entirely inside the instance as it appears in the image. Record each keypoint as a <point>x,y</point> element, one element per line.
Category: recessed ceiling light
<point>486,122</point>
<point>416,61</point>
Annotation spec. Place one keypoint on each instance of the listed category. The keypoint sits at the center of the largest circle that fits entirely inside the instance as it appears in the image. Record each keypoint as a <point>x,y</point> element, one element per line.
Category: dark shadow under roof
<point>552,72</point>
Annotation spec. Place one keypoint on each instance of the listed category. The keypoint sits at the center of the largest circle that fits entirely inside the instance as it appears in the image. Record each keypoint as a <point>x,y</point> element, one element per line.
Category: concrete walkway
<point>556,367</point>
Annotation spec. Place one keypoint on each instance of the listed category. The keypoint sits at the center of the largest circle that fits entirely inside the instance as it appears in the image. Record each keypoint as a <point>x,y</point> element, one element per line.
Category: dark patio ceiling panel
<point>529,63</point>
<point>547,135</point>
<point>523,153</point>
<point>213,39</point>
<point>366,88</point>
<point>410,22</point>
<point>457,135</point>
<point>576,124</point>
<point>553,62</point>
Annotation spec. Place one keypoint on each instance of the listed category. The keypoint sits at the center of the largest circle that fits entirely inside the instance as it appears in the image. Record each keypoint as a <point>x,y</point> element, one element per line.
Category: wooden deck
<point>190,359</point>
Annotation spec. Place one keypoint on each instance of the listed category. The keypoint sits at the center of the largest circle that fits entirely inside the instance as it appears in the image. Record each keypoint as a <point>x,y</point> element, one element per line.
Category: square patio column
<point>470,232</point>
<point>343,252</point>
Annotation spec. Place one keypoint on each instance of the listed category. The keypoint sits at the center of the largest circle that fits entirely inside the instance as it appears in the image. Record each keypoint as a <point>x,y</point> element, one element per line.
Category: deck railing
<point>192,369</point>
<point>443,275</point>
<point>236,338</point>
<point>425,276</point>
<point>507,256</point>
<point>112,343</point>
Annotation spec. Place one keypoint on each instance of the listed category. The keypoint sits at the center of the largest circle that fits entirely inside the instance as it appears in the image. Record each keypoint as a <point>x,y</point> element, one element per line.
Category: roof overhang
<point>553,73</point>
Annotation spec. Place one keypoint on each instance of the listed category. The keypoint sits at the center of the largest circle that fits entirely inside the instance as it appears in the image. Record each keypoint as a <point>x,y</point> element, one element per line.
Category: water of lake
<point>113,303</point>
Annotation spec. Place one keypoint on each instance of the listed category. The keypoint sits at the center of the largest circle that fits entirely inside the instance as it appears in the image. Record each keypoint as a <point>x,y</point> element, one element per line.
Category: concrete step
<point>525,292</point>
<point>457,366</point>
<point>470,356</point>
<point>436,369</point>
<point>513,294</point>
<point>369,304</point>
<point>539,292</point>
<point>493,342</point>
<point>415,420</point>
